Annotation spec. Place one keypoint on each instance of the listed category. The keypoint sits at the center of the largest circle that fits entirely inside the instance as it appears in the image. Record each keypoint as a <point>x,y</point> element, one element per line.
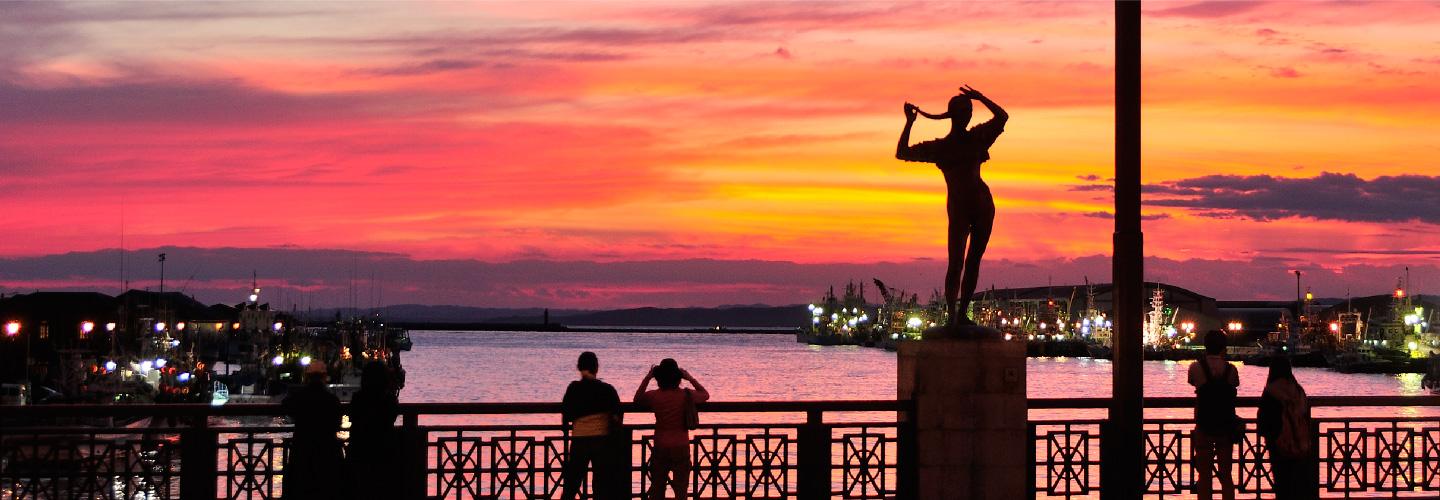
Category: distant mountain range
<point>756,316</point>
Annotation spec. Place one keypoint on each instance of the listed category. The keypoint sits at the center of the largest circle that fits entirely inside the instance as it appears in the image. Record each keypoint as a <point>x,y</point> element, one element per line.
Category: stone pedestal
<point>972,438</point>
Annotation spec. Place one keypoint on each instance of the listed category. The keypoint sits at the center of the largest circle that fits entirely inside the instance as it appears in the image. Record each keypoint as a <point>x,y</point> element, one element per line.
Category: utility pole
<point>1123,455</point>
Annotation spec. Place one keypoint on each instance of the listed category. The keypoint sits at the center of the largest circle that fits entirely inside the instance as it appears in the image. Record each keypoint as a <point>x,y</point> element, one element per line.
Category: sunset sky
<point>617,154</point>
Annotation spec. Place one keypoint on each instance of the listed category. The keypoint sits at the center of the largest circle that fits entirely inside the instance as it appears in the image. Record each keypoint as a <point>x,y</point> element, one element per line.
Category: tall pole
<point>1123,464</point>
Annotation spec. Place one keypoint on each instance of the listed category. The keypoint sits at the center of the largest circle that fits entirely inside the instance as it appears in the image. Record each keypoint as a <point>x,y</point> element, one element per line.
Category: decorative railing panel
<point>1355,457</point>
<point>797,453</point>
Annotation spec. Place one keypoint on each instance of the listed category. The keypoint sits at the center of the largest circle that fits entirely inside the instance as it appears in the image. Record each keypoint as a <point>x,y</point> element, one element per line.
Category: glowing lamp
<point>278,326</point>
<point>180,326</point>
<point>87,326</point>
<point>174,342</point>
<point>109,366</point>
<point>184,377</point>
<point>146,365</point>
<point>160,362</point>
<point>109,327</point>
<point>278,360</point>
<point>12,328</point>
<point>159,326</point>
<point>235,325</point>
<point>305,361</point>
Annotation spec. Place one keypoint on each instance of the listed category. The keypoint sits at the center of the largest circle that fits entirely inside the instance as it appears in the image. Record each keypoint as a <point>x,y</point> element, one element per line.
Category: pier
<point>799,450</point>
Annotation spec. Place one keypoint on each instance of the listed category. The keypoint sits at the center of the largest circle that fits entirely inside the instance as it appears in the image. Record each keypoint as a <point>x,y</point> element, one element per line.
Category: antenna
<point>124,284</point>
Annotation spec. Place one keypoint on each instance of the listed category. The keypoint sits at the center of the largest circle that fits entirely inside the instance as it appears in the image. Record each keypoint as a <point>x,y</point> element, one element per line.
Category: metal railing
<point>1368,457</point>
<point>741,450</point>
<point>803,450</point>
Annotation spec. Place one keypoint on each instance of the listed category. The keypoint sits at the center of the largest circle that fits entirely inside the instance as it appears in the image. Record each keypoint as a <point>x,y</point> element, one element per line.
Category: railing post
<point>625,463</point>
<point>199,456</point>
<point>413,449</point>
<point>813,455</point>
<point>907,464</point>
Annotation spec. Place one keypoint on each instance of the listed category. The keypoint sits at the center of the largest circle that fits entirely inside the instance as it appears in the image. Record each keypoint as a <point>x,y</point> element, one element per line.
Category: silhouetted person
<point>670,458</point>
<point>1284,421</point>
<point>315,462</point>
<point>374,440</point>
<point>968,203</point>
<point>592,409</point>
<point>1215,381</point>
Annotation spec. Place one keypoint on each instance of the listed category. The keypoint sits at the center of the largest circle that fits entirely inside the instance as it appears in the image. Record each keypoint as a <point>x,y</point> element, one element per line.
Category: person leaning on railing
<point>673,407</point>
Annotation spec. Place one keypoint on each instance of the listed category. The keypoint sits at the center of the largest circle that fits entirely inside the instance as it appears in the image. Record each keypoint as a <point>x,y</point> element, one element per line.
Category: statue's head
<point>960,109</point>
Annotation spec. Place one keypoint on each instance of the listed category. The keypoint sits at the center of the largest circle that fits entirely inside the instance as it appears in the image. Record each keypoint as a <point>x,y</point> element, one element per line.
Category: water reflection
<point>535,367</point>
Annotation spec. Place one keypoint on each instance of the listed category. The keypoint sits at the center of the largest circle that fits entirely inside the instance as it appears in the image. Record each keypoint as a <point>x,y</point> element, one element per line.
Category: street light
<point>12,328</point>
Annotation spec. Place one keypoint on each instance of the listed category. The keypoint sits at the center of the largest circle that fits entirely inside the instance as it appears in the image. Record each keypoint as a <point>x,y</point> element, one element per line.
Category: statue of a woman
<point>968,202</point>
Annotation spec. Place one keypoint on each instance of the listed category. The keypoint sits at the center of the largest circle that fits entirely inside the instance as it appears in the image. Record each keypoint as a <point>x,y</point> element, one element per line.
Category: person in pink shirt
<point>670,460</point>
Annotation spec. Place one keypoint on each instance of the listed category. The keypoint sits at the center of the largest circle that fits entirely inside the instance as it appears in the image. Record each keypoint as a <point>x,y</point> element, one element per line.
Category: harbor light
<point>815,320</point>
<point>110,366</point>
<point>278,326</point>
<point>180,326</point>
<point>1334,327</point>
<point>12,328</point>
<point>305,361</point>
<point>279,360</point>
<point>1085,330</point>
<point>159,326</point>
<point>1009,336</point>
<point>916,322</point>
<point>184,377</point>
<point>109,327</point>
<point>160,362</point>
<point>146,365</point>
<point>235,325</point>
<point>174,343</point>
<point>811,307</point>
<point>87,326</point>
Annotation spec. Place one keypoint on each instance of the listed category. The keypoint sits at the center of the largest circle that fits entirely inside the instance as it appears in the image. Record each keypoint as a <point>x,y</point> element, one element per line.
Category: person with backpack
<point>1284,421</point>
<point>675,416</point>
<point>592,410</point>
<point>1216,424</point>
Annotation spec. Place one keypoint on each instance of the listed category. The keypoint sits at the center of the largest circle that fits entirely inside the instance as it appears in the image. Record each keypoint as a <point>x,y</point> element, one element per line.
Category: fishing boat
<point>839,320</point>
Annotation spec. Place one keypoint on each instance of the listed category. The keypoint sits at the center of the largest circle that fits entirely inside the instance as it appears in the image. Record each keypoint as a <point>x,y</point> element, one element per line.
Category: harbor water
<point>451,366</point>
